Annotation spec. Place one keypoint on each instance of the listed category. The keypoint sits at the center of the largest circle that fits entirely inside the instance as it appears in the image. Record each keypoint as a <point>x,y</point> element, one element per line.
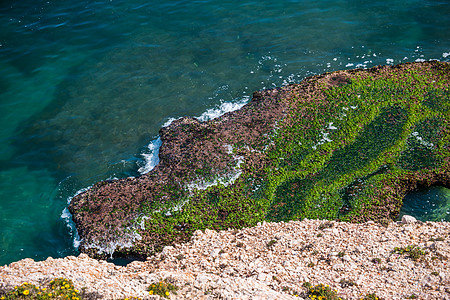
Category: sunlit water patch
<point>431,204</point>
<point>30,210</point>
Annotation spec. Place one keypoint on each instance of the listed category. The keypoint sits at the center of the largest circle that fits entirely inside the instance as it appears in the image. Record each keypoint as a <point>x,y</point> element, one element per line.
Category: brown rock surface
<point>102,212</point>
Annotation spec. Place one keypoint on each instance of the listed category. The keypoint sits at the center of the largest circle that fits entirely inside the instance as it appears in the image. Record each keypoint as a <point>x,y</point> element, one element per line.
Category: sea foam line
<point>67,217</point>
<point>151,155</point>
<point>151,159</point>
<point>119,241</point>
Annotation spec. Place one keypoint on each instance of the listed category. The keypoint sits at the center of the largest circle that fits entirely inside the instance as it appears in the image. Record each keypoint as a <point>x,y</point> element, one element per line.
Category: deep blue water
<point>86,85</point>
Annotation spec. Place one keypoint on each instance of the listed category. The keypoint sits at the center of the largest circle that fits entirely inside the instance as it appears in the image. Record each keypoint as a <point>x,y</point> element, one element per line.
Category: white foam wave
<point>224,108</point>
<point>169,121</point>
<point>151,155</point>
<point>225,180</point>
<point>126,240</point>
<point>67,217</point>
<point>151,158</point>
<point>69,199</point>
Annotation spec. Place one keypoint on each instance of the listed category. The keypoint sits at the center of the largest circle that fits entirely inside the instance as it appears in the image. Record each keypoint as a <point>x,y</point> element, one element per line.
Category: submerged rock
<point>346,145</point>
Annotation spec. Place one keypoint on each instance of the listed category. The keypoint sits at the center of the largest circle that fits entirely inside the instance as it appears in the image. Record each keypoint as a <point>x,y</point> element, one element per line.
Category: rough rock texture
<point>346,145</point>
<point>269,261</point>
<point>189,147</point>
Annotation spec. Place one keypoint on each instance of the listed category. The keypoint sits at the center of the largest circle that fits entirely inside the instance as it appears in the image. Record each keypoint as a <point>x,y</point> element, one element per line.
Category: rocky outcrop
<point>193,154</point>
<point>269,261</point>
<point>345,145</point>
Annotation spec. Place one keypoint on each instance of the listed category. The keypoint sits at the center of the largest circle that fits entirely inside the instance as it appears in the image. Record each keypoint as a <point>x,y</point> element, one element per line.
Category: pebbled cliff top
<point>269,261</point>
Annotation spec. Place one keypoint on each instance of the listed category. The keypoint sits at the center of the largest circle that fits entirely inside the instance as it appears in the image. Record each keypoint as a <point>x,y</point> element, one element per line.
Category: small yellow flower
<point>50,294</point>
<point>167,293</point>
<point>44,289</point>
<point>67,286</point>
<point>26,292</point>
<point>151,292</point>
<point>76,291</point>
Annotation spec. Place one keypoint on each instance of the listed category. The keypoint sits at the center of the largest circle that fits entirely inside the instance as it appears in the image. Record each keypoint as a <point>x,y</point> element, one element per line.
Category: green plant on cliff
<point>371,296</point>
<point>162,288</point>
<point>342,154</point>
<point>335,157</point>
<point>321,292</point>
<point>58,288</point>
<point>414,252</point>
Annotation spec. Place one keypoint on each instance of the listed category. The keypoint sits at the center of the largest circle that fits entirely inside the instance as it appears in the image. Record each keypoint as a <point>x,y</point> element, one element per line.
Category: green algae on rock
<point>345,145</point>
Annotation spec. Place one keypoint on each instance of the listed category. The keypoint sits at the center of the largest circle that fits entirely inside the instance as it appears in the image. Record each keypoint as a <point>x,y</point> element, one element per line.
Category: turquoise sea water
<point>429,204</point>
<point>86,85</point>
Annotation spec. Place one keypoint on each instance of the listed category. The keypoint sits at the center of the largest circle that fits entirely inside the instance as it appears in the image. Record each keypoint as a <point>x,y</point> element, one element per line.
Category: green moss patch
<point>348,152</point>
<point>336,157</point>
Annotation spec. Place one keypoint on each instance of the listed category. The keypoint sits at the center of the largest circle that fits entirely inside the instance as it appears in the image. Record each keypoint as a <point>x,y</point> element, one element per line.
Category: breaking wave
<point>151,154</point>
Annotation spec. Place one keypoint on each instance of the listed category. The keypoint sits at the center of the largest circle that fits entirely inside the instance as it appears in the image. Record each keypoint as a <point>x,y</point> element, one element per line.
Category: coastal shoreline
<point>346,145</point>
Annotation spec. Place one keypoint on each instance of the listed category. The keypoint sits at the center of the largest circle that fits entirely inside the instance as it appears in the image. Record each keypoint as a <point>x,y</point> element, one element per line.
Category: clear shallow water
<point>86,85</point>
<point>431,204</point>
